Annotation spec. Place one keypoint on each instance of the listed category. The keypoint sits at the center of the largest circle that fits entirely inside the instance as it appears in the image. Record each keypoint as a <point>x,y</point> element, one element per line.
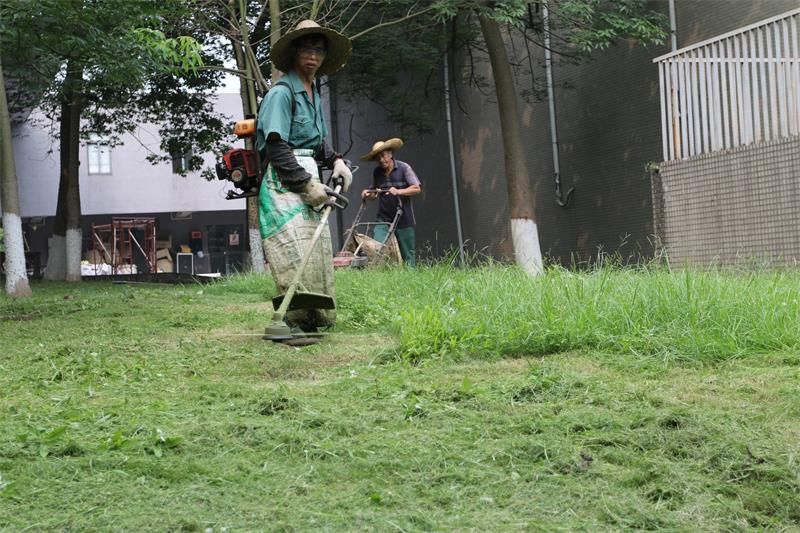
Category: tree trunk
<point>275,33</point>
<point>521,193</point>
<point>257,262</point>
<point>64,247</point>
<point>56,269</point>
<point>70,147</point>
<point>16,274</point>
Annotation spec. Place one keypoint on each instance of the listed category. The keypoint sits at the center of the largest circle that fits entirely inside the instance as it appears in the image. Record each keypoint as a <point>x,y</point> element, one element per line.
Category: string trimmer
<point>296,297</point>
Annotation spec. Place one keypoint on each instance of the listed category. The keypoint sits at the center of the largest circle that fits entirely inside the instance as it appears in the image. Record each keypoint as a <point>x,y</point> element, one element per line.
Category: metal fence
<point>737,89</point>
<point>731,207</point>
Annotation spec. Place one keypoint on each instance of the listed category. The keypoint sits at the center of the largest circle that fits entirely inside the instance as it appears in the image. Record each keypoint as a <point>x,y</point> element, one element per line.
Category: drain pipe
<point>456,203</point>
<point>673,25</point>
<point>551,100</point>
<point>334,113</point>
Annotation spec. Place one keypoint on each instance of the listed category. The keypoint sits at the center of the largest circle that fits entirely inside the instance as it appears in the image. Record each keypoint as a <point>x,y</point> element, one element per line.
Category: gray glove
<point>342,173</point>
<point>314,194</point>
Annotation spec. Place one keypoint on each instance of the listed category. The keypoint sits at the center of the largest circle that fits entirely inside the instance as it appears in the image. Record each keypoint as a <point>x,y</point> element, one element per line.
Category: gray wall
<point>609,130</point>
<point>427,154</point>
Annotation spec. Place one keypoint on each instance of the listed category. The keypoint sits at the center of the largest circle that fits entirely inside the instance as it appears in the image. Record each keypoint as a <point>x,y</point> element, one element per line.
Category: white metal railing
<point>740,88</point>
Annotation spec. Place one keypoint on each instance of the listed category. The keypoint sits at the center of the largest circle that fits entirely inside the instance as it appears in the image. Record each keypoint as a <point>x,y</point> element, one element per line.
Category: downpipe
<point>561,199</point>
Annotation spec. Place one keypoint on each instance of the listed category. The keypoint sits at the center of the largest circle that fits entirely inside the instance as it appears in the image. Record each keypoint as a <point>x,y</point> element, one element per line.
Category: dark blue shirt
<point>401,177</point>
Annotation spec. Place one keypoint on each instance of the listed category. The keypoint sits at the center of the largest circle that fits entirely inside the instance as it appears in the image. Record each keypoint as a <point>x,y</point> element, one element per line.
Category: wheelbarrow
<point>360,249</point>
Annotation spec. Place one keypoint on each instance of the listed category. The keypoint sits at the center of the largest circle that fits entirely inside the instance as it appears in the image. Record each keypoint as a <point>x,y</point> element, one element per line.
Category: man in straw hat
<point>391,181</point>
<point>291,136</point>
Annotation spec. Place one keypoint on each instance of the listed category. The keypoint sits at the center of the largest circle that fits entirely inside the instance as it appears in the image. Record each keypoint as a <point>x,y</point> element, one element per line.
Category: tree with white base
<point>16,274</point>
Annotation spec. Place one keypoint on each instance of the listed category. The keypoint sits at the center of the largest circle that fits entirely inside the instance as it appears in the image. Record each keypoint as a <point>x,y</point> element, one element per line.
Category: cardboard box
<point>164,265</point>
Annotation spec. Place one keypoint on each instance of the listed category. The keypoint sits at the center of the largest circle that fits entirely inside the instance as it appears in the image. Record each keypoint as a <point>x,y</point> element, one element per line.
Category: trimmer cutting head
<point>277,331</point>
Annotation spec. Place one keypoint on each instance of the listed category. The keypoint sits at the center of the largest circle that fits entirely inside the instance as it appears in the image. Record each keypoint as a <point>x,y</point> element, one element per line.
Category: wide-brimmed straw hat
<point>377,148</point>
<point>339,48</point>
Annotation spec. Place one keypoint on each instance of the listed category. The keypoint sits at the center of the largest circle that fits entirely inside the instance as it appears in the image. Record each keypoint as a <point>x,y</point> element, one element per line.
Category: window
<point>180,161</point>
<point>99,155</point>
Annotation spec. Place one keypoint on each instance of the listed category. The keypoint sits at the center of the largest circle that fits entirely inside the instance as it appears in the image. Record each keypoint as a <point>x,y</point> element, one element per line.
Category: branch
<point>392,22</point>
<point>235,72</point>
<point>315,7</point>
<point>363,4</point>
<point>260,81</point>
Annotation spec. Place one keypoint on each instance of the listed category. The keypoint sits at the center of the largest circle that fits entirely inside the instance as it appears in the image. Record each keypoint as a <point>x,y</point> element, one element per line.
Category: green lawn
<point>446,400</point>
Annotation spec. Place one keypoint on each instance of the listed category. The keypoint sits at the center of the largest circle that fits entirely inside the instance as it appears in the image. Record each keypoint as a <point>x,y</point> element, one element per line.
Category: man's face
<point>386,160</point>
<point>310,52</point>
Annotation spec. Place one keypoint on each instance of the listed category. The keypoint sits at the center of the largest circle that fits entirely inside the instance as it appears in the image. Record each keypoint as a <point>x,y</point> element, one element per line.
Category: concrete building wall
<point>134,185</point>
<point>698,20</point>
<point>133,188</point>
<point>732,206</point>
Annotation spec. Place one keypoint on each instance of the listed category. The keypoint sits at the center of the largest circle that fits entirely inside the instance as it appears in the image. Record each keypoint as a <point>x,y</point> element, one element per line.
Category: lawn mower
<point>360,249</point>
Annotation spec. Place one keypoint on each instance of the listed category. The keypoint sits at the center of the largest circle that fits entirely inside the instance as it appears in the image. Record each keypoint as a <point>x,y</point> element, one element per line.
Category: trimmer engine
<point>241,166</point>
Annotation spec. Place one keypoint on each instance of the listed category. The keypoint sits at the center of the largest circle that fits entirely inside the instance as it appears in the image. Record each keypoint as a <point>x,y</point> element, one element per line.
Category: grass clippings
<point>445,400</point>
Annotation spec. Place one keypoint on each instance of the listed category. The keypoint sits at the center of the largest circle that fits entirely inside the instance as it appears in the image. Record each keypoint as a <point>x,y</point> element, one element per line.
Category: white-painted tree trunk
<point>525,237</point>
<point>16,273</point>
<point>74,245</point>
<point>519,182</point>
<point>56,269</point>
<point>257,263</point>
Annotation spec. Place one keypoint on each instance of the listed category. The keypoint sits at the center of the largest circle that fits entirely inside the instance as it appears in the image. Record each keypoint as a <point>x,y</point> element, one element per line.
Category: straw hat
<point>339,48</point>
<point>392,144</point>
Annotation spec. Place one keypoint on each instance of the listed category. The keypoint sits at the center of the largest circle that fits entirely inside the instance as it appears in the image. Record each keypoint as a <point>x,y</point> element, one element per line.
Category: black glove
<point>292,175</point>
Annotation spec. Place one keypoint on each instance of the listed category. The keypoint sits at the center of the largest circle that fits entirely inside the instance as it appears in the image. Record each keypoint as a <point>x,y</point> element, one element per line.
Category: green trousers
<point>405,239</point>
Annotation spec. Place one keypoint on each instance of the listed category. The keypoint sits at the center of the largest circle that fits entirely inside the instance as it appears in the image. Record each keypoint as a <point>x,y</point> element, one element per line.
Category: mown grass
<point>445,400</point>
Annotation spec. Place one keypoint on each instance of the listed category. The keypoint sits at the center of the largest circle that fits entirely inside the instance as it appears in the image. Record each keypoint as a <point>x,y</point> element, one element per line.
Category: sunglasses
<point>312,50</point>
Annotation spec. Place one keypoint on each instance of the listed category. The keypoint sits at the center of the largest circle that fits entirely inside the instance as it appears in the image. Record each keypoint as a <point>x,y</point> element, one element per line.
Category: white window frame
<point>180,161</point>
<point>98,155</point>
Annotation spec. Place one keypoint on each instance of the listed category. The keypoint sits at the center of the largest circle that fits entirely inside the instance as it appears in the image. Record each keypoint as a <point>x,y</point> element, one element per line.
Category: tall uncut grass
<point>497,310</point>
